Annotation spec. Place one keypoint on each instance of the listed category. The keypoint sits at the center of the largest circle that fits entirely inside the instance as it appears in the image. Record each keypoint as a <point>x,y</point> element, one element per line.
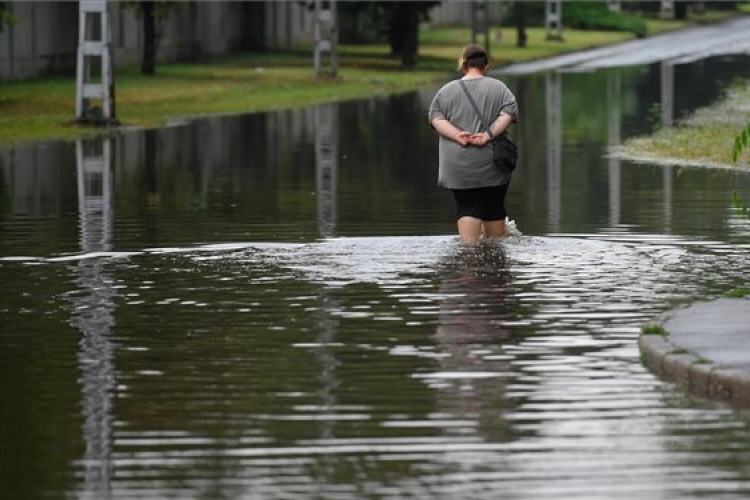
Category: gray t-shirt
<point>471,166</point>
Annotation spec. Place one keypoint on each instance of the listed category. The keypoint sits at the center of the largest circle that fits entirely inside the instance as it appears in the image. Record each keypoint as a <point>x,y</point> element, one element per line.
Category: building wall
<point>459,12</point>
<point>451,13</point>
<point>44,39</point>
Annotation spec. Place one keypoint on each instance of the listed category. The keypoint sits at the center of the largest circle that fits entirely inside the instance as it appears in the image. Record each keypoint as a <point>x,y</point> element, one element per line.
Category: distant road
<point>729,37</point>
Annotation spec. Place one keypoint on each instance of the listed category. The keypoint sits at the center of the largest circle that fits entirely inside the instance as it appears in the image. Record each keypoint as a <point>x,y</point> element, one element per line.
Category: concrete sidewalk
<point>706,350</point>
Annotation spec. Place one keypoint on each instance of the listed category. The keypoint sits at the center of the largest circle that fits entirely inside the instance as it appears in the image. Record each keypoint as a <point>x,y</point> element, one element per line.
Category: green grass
<point>705,137</point>
<point>44,108</point>
<point>444,44</point>
<point>738,293</point>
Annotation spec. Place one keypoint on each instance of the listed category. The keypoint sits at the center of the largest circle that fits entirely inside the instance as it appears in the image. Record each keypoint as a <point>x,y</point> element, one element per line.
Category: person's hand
<point>480,139</point>
<point>464,138</point>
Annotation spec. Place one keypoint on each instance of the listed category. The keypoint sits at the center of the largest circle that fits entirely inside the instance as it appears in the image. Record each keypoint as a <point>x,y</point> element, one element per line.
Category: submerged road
<point>729,37</point>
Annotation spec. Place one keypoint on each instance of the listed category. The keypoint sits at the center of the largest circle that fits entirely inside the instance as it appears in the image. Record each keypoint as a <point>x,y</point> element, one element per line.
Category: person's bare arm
<point>497,128</point>
<point>450,131</point>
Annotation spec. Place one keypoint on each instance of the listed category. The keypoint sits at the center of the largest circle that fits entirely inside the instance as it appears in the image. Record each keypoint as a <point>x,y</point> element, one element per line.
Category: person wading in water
<point>466,164</point>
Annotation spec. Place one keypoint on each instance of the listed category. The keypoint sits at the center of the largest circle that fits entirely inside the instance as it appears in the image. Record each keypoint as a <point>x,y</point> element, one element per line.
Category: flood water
<point>275,305</point>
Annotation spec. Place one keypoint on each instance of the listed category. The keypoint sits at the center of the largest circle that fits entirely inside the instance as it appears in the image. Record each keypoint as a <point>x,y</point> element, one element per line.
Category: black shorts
<point>485,203</point>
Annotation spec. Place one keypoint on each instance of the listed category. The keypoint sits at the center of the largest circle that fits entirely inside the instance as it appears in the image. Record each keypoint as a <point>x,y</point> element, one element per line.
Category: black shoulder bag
<point>504,151</point>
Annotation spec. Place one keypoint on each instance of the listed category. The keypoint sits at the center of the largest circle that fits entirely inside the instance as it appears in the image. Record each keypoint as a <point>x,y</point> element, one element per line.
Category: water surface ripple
<point>274,306</point>
<point>402,367</point>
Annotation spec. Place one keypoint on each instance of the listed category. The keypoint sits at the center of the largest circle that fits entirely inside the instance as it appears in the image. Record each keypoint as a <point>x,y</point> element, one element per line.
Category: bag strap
<point>476,109</point>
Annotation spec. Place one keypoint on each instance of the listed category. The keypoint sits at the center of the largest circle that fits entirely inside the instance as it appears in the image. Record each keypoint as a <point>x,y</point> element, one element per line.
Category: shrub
<point>597,16</point>
<point>653,330</point>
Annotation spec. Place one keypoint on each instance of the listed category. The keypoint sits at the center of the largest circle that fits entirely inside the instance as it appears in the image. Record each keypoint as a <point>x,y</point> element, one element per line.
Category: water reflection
<point>291,315</point>
<point>326,402</point>
<point>326,167</point>
<point>471,335</point>
<point>614,138</point>
<point>666,70</point>
<point>323,171</point>
<point>92,312</point>
<point>554,148</point>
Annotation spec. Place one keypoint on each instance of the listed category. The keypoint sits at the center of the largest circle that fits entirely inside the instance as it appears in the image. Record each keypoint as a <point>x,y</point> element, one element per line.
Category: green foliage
<point>740,143</point>
<point>653,118</point>
<point>597,16</point>
<point>5,17</point>
<point>361,22</point>
<point>653,330</point>
<point>367,22</point>
<point>162,8</point>
<point>738,293</point>
<point>739,204</point>
<point>533,14</point>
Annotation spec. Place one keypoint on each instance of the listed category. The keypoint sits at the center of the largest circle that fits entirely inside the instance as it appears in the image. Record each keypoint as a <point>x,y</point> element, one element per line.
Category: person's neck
<point>473,73</point>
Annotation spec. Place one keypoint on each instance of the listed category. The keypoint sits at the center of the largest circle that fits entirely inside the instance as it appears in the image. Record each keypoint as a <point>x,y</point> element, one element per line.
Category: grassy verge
<point>704,138</point>
<point>43,109</point>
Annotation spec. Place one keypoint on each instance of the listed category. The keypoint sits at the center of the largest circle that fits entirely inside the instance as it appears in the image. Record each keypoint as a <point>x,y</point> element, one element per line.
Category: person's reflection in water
<point>471,335</point>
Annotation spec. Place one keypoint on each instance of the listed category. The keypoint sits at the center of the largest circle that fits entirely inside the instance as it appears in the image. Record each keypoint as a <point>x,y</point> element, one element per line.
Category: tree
<point>403,28</point>
<point>154,15</point>
<point>5,17</point>
<point>519,11</point>
<point>398,22</point>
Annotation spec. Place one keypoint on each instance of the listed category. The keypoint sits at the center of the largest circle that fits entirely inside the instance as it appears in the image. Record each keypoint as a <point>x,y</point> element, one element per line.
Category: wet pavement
<point>718,331</point>
<point>679,47</point>
<point>704,349</point>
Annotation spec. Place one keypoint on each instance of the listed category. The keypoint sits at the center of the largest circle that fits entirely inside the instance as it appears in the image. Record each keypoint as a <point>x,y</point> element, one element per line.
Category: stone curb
<point>694,375</point>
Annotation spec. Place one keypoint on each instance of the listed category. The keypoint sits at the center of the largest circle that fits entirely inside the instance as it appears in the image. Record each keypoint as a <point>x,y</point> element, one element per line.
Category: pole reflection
<point>667,120</point>
<point>614,96</point>
<point>326,465</point>
<point>326,167</point>
<point>554,148</point>
<point>667,93</point>
<point>92,306</point>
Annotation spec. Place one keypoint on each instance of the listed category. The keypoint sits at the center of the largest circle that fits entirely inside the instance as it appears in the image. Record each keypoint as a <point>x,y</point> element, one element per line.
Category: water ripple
<point>413,367</point>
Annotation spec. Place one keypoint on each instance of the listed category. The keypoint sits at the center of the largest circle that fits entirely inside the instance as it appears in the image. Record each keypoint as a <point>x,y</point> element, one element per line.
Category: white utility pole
<point>326,36</point>
<point>94,45</point>
<point>667,9</point>
<point>553,19</point>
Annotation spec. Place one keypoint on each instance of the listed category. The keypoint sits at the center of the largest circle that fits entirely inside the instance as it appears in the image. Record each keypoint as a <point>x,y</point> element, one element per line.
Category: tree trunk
<point>519,10</point>
<point>407,22</point>
<point>395,36</point>
<point>3,14</point>
<point>410,36</point>
<point>680,11</point>
<point>148,62</point>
